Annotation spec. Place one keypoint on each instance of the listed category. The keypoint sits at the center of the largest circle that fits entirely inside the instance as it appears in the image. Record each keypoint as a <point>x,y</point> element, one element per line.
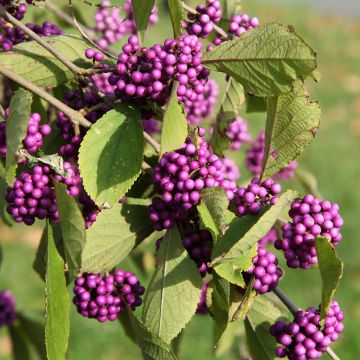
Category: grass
<point>332,158</point>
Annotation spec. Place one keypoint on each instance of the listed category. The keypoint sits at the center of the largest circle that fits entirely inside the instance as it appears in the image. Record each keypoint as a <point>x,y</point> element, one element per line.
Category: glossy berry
<point>251,199</point>
<point>304,338</point>
<point>202,22</point>
<point>94,55</point>
<point>72,181</point>
<point>238,133</point>
<point>311,217</point>
<point>7,308</point>
<point>105,297</point>
<point>265,271</point>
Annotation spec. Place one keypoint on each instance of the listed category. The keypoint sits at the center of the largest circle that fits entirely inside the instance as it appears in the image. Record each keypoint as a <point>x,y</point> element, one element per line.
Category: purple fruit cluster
<point>238,133</point>
<point>230,169</point>
<point>105,297</point>
<point>14,8</point>
<point>269,238</point>
<point>72,181</point>
<point>265,271</point>
<point>94,55</point>
<point>199,245</point>
<point>202,307</point>
<point>101,82</point>
<point>255,155</point>
<point>251,199</point>
<point>202,106</point>
<point>303,338</point>
<point>202,22</point>
<point>311,217</point>
<point>32,196</point>
<point>10,36</point>
<point>149,72</point>
<point>7,308</point>
<point>150,124</point>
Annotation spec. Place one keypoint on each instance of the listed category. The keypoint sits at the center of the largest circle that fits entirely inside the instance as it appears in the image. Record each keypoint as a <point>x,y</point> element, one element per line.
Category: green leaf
<point>261,343</point>
<point>72,226</point>
<point>173,293</point>
<point>212,210</point>
<point>152,347</point>
<point>20,346</point>
<point>111,155</point>
<point>39,264</point>
<point>3,203</point>
<point>227,339</point>
<point>231,8</point>
<point>34,63</point>
<point>255,104</point>
<point>291,124</point>
<point>177,14</point>
<point>308,181</point>
<point>16,128</point>
<point>114,234</point>
<point>142,11</point>
<point>231,103</point>
<point>34,329</point>
<point>57,303</point>
<point>174,128</point>
<point>331,270</point>
<point>265,60</point>
<point>245,303</point>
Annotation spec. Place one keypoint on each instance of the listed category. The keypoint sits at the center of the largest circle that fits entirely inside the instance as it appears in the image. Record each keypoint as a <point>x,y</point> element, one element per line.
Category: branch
<point>218,29</point>
<point>75,69</point>
<point>294,309</point>
<point>152,142</point>
<point>73,115</point>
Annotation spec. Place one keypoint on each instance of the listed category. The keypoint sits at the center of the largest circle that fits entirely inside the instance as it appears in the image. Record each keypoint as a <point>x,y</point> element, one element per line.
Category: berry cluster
<point>251,199</point>
<point>230,169</point>
<point>10,36</point>
<point>199,245</point>
<point>94,55</point>
<point>202,307</point>
<point>105,297</point>
<point>16,9</point>
<point>150,124</point>
<point>265,271</point>
<point>7,308</point>
<point>150,72</point>
<point>101,82</point>
<point>303,338</point>
<point>34,137</point>
<point>72,181</point>
<point>311,217</point>
<point>202,22</point>
<point>238,133</point>
<point>112,27</point>
<point>32,196</point>
<point>255,155</point>
<point>202,105</point>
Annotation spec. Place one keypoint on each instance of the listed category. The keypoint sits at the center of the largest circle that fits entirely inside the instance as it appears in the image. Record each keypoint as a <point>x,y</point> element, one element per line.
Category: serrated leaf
<point>291,124</point>
<point>142,11</point>
<point>174,128</point>
<point>39,264</point>
<point>34,63</point>
<point>3,203</point>
<point>232,101</point>
<point>72,226</point>
<point>35,333</point>
<point>172,296</point>
<point>57,303</point>
<point>255,104</point>
<point>20,346</point>
<point>152,347</point>
<point>212,209</point>
<point>265,60</point>
<point>263,313</point>
<point>331,270</point>
<point>177,14</point>
<point>114,234</point>
<point>227,339</point>
<point>246,302</point>
<point>16,128</point>
<point>111,155</point>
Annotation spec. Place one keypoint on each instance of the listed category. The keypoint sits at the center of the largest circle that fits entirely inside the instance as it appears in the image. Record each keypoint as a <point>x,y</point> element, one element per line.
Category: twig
<point>218,29</point>
<point>75,69</point>
<point>152,142</point>
<point>73,115</point>
<point>294,309</point>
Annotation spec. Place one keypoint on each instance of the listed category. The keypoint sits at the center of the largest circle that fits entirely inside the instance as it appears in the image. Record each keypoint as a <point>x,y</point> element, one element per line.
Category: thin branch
<point>73,115</point>
<point>218,29</point>
<point>152,142</point>
<point>294,309</point>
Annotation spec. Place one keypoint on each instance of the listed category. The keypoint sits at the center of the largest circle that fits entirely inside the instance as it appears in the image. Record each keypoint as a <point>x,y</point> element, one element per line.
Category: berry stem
<point>73,115</point>
<point>152,142</point>
<point>218,29</point>
<point>294,309</point>
<point>75,69</point>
